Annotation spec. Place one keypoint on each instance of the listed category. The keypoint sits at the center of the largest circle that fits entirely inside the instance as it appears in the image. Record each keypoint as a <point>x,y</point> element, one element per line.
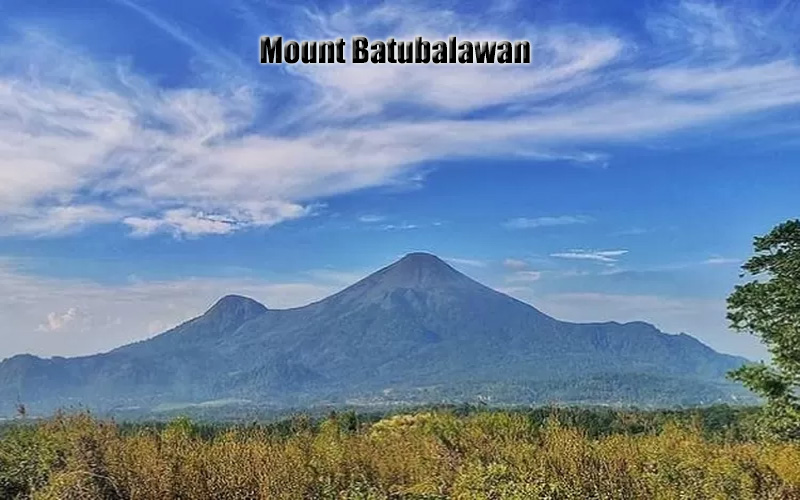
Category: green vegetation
<point>769,306</point>
<point>458,453</point>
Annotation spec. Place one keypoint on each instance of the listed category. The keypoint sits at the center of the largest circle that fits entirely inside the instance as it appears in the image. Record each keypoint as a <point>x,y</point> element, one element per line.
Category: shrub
<point>427,455</point>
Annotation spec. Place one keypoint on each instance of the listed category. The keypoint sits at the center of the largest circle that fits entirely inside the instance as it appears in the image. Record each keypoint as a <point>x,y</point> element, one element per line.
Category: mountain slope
<point>415,324</point>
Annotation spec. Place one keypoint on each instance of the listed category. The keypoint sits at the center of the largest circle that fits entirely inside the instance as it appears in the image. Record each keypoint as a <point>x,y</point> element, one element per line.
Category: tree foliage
<point>769,307</point>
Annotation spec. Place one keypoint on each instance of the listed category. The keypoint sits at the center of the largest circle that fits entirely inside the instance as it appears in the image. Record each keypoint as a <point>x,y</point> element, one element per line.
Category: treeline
<point>718,422</point>
<point>456,452</point>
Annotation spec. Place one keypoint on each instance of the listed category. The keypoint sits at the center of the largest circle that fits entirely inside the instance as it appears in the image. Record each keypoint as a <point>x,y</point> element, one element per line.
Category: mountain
<point>415,331</point>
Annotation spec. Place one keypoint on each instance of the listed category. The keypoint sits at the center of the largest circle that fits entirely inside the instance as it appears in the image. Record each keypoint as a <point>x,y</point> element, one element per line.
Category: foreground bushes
<point>485,455</point>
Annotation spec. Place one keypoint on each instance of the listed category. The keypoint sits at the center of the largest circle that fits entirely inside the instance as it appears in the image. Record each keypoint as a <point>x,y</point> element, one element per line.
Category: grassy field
<point>554,454</point>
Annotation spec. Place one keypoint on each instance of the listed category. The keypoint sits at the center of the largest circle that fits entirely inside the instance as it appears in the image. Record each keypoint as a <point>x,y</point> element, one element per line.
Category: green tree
<point>769,307</point>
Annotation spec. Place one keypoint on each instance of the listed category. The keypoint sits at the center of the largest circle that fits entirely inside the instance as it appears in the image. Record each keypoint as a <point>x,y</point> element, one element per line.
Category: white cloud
<point>562,59</point>
<point>465,262</point>
<point>515,264</point>
<point>181,221</point>
<point>56,321</point>
<point>56,220</point>
<point>399,227</point>
<point>535,222</point>
<point>724,32</point>
<point>370,218</point>
<point>600,256</point>
<point>185,222</point>
<point>703,26</point>
<point>574,273</point>
<point>524,276</point>
<point>717,260</point>
<point>85,142</point>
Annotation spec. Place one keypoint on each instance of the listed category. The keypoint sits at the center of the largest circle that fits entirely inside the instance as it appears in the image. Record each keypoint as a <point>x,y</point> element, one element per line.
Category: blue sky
<point>149,164</point>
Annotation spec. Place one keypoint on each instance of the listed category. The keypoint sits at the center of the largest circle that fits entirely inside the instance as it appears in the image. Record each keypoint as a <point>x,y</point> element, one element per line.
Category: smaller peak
<point>232,299</point>
<point>236,301</point>
<point>235,309</point>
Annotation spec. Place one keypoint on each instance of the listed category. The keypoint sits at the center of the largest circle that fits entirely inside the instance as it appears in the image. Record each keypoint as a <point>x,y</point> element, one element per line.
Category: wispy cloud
<point>404,226</point>
<point>515,264</point>
<point>634,231</point>
<point>536,222</point>
<point>57,220</point>
<point>715,261</point>
<point>600,256</point>
<point>221,60</point>
<point>371,218</point>
<point>185,222</point>
<point>524,277</point>
<point>84,141</point>
<point>466,262</point>
<point>567,58</point>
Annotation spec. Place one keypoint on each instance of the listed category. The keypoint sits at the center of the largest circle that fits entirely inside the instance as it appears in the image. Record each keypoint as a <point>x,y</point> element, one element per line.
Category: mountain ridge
<point>415,323</point>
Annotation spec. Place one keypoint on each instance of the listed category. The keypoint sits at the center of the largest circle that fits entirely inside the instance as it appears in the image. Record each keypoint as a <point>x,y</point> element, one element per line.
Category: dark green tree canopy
<point>769,307</point>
